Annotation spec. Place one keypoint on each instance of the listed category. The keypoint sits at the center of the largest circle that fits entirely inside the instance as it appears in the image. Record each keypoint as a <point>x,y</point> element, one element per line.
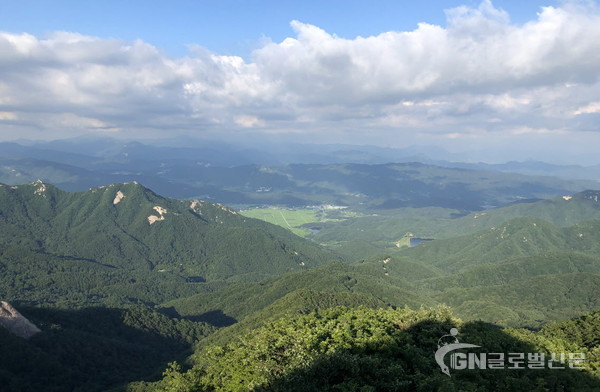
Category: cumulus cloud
<point>477,75</point>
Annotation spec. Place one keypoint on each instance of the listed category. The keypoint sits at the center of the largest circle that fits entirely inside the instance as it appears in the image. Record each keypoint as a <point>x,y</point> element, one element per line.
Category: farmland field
<point>290,219</point>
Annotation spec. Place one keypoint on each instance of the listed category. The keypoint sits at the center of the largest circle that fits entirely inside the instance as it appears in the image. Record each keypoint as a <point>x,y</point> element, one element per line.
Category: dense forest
<point>136,292</point>
<point>362,349</point>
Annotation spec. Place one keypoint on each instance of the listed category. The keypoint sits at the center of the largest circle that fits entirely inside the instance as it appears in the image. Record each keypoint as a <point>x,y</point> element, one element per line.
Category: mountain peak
<point>41,187</point>
<point>38,187</point>
<point>119,191</point>
<point>134,184</point>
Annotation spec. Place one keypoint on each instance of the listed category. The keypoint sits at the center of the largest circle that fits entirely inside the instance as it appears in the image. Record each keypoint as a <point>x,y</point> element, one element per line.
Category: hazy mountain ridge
<point>235,174</point>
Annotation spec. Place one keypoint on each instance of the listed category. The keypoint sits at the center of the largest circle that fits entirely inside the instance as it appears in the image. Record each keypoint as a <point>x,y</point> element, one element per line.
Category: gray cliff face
<point>15,322</point>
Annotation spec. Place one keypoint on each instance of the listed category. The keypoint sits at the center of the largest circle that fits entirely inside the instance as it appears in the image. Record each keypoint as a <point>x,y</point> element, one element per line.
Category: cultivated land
<point>286,218</point>
<point>300,220</point>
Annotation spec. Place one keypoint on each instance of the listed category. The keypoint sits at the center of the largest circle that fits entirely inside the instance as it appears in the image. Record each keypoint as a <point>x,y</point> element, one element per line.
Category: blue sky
<point>510,79</point>
<point>233,27</point>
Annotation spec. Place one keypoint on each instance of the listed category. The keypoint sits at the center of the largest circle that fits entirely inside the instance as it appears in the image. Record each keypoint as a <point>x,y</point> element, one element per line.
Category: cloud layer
<point>478,76</point>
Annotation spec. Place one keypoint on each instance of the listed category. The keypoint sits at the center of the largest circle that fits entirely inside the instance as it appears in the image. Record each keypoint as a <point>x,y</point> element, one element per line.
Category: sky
<point>511,79</point>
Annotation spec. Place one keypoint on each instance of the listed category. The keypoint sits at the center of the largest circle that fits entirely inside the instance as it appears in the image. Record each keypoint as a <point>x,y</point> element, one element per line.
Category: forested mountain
<point>241,300</point>
<point>121,274</point>
<point>525,272</point>
<point>124,243</point>
<point>386,227</point>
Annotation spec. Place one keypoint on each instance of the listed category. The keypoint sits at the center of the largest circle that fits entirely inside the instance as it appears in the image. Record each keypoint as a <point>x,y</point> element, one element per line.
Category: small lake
<point>414,241</point>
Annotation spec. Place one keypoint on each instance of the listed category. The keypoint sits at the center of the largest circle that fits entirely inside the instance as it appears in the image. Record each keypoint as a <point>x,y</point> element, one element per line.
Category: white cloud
<point>7,116</point>
<point>539,131</point>
<point>478,72</point>
<point>249,121</point>
<point>591,108</point>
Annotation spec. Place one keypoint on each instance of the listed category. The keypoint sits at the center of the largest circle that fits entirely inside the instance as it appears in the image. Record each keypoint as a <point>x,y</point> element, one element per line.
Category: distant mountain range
<point>362,177</point>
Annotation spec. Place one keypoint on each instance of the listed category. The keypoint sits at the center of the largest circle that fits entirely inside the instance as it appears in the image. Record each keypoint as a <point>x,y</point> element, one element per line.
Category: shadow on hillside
<point>215,318</point>
<point>89,349</point>
<point>410,365</point>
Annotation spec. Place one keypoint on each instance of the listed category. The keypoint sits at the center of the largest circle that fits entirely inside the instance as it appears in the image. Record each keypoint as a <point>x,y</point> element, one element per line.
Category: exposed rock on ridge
<point>15,322</point>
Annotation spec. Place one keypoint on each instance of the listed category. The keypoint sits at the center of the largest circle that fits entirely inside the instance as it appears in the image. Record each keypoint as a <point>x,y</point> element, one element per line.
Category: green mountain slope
<point>529,301</point>
<point>561,211</point>
<point>362,349</point>
<point>522,273</point>
<point>300,301</point>
<point>518,237</point>
<point>241,300</point>
<point>123,242</point>
<point>511,270</point>
<point>387,227</point>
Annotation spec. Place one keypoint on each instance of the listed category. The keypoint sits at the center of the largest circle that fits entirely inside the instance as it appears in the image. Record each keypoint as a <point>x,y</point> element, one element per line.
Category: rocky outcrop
<point>15,322</point>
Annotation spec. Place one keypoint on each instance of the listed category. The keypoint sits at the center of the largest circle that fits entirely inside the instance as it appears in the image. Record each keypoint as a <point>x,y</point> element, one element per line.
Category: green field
<point>290,219</point>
